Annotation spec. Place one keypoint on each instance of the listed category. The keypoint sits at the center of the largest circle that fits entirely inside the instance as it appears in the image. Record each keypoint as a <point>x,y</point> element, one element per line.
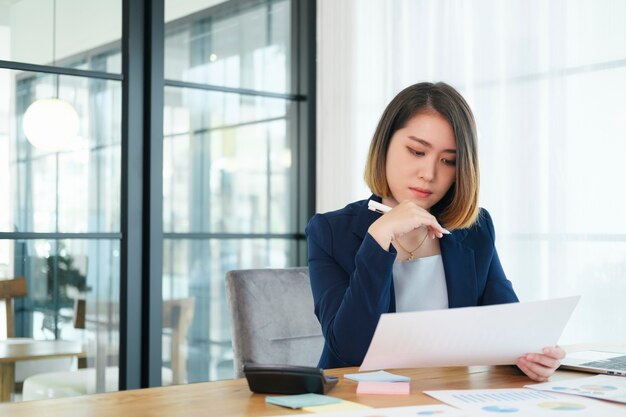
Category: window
<point>237,121</point>
<point>230,165</point>
<point>60,214</point>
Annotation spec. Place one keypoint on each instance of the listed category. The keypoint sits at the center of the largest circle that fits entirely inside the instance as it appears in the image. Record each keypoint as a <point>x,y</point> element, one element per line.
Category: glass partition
<point>44,32</point>
<point>237,44</point>
<point>235,127</point>
<point>60,210</point>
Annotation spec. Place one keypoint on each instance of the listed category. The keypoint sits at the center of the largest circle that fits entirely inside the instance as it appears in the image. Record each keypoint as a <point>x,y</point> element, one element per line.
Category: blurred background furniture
<point>10,289</point>
<point>273,320</point>
<point>177,317</point>
<point>21,351</point>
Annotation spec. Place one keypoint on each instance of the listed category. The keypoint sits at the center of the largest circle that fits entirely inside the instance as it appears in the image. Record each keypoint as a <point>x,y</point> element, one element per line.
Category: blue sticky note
<point>302,400</point>
<point>380,376</point>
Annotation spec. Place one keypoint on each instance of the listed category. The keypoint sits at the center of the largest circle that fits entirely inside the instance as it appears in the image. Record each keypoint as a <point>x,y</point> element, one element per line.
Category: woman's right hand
<point>402,219</point>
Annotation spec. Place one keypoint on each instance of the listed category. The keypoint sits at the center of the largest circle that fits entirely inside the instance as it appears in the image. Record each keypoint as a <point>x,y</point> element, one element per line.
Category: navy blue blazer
<point>352,281</point>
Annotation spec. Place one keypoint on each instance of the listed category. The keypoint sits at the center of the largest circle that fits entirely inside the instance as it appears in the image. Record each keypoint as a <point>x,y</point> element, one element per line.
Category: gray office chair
<point>272,317</point>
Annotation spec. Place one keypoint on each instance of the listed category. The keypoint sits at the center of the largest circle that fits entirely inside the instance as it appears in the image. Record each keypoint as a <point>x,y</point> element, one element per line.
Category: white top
<point>420,284</point>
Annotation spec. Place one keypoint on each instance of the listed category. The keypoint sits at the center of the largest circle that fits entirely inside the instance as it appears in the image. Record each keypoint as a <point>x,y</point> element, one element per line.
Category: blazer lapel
<point>460,269</point>
<point>364,218</point>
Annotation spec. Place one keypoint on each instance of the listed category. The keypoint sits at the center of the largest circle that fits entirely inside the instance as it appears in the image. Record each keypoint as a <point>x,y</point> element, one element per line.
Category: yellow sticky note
<point>342,406</point>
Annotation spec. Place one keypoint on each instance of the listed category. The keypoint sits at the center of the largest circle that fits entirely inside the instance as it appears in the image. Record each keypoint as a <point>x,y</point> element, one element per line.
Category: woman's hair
<point>459,207</point>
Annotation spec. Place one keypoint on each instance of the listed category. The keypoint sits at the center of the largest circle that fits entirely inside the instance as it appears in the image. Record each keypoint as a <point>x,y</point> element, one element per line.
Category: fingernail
<point>440,235</point>
<point>432,236</point>
<point>445,231</point>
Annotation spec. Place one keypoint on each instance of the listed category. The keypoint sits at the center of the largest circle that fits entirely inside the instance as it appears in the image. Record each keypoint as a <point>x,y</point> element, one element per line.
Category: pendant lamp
<point>51,123</point>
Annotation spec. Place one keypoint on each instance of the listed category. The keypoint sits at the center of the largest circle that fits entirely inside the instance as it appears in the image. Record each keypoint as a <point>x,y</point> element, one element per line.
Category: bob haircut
<point>459,207</point>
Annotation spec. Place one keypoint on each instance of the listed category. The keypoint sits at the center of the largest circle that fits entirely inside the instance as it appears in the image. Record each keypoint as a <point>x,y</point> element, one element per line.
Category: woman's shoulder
<point>484,217</point>
<point>482,227</point>
<point>336,219</point>
<point>350,210</point>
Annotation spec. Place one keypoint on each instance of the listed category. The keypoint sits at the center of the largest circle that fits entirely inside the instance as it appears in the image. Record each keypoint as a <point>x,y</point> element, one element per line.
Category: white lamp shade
<point>51,124</point>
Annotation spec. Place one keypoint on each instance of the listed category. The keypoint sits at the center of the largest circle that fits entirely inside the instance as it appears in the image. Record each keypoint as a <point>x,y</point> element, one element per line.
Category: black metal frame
<point>132,273</point>
<point>142,167</point>
<point>304,30</point>
<point>242,91</point>
<point>48,69</point>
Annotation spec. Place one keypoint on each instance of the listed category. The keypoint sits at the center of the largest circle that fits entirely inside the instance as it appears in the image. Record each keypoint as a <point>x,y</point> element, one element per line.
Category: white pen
<point>377,207</point>
<point>382,209</point>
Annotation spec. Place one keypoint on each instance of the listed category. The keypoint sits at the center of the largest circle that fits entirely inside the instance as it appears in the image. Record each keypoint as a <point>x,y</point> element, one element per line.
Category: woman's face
<point>421,161</point>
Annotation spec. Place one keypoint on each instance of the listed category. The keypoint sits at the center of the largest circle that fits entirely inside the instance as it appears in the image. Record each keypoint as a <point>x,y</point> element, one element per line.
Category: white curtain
<point>547,83</point>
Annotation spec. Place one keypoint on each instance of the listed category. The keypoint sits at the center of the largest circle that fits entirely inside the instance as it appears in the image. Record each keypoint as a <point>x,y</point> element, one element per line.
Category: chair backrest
<point>177,316</point>
<point>10,289</point>
<point>273,321</point>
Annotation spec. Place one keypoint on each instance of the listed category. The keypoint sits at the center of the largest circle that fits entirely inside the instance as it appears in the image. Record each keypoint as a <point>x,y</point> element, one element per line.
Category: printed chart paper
<point>521,402</point>
<point>489,335</point>
<point>603,387</point>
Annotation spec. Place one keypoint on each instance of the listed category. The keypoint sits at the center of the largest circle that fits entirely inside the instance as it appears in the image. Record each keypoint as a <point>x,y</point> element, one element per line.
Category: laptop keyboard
<point>617,363</point>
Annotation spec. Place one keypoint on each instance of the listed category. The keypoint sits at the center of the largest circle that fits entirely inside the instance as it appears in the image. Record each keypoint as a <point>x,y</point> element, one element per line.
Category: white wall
<point>347,107</point>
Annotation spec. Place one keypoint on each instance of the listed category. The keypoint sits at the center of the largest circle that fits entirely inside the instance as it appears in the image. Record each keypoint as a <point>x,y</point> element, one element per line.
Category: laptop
<point>596,361</point>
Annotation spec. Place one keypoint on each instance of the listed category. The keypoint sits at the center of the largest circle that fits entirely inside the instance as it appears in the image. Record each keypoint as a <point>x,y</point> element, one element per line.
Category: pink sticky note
<point>388,388</point>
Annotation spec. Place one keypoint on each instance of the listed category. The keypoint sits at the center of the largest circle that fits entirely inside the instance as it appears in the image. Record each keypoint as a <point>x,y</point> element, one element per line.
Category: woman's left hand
<point>539,366</point>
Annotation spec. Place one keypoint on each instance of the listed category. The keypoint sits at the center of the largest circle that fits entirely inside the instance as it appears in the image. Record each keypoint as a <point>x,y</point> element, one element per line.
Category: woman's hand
<point>539,366</point>
<point>402,219</point>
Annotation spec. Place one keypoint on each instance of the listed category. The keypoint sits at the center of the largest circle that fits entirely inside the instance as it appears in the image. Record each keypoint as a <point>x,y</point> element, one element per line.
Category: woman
<point>434,249</point>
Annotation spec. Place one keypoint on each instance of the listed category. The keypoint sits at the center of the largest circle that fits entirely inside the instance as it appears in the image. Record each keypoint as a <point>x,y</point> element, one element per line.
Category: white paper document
<point>525,403</point>
<point>489,335</point>
<point>604,387</point>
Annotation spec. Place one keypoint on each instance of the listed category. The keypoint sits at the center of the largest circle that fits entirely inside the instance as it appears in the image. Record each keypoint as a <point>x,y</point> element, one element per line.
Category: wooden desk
<point>232,397</point>
<point>18,349</point>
